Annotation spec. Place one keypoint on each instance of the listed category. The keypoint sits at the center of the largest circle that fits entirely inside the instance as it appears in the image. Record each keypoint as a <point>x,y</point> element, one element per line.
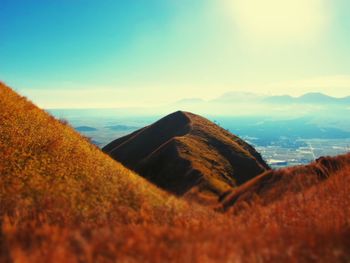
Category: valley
<point>282,142</point>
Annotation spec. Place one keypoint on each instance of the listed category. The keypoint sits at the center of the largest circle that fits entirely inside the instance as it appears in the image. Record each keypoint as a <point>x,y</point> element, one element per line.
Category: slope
<point>46,168</point>
<point>187,154</point>
<point>273,185</point>
<point>310,226</point>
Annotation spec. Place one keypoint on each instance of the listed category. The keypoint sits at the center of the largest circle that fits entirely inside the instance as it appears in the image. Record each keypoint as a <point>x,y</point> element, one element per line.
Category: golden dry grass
<point>62,200</point>
<point>310,227</point>
<point>47,167</point>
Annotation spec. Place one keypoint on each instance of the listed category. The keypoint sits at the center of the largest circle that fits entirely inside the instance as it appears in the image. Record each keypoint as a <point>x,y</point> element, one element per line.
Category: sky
<point>123,53</point>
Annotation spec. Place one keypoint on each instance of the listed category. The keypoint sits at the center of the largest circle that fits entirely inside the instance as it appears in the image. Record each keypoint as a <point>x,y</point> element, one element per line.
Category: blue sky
<point>86,53</point>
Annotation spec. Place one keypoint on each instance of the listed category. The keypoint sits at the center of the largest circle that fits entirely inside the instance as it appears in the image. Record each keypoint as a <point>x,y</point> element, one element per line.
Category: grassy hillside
<point>187,154</point>
<point>273,185</point>
<point>62,200</point>
<point>312,226</point>
<point>47,167</point>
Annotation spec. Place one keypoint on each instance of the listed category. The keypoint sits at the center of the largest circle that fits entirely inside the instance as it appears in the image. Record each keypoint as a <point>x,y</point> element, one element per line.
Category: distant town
<point>286,152</point>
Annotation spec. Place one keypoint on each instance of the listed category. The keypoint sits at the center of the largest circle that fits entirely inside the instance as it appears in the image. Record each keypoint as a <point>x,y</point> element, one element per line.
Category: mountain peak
<point>187,154</point>
<point>178,117</point>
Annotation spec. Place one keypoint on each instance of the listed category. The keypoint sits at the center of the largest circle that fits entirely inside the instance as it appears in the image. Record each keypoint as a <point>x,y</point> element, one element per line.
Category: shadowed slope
<point>271,186</point>
<point>47,167</point>
<point>183,152</point>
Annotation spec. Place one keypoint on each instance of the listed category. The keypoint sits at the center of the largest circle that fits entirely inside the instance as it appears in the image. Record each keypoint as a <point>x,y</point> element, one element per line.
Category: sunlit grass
<point>63,200</point>
<point>49,168</point>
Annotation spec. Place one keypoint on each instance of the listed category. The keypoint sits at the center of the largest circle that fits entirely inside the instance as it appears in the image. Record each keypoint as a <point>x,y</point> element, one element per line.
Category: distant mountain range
<point>120,127</point>
<point>85,129</point>
<point>309,98</point>
<point>240,97</point>
<point>246,97</point>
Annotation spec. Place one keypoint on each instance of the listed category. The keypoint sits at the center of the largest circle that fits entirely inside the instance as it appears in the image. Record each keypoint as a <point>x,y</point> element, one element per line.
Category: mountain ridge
<point>248,97</point>
<point>269,187</point>
<point>200,153</point>
<point>308,98</point>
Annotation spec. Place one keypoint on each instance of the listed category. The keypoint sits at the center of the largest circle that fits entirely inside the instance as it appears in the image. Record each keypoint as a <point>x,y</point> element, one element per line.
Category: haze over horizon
<point>85,54</point>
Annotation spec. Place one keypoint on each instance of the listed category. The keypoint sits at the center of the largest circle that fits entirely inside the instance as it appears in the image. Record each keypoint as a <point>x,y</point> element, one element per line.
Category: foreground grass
<point>310,227</point>
<point>62,200</point>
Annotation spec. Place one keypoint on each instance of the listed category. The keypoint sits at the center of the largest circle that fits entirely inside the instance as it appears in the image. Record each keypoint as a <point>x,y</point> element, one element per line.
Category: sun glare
<point>271,19</point>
